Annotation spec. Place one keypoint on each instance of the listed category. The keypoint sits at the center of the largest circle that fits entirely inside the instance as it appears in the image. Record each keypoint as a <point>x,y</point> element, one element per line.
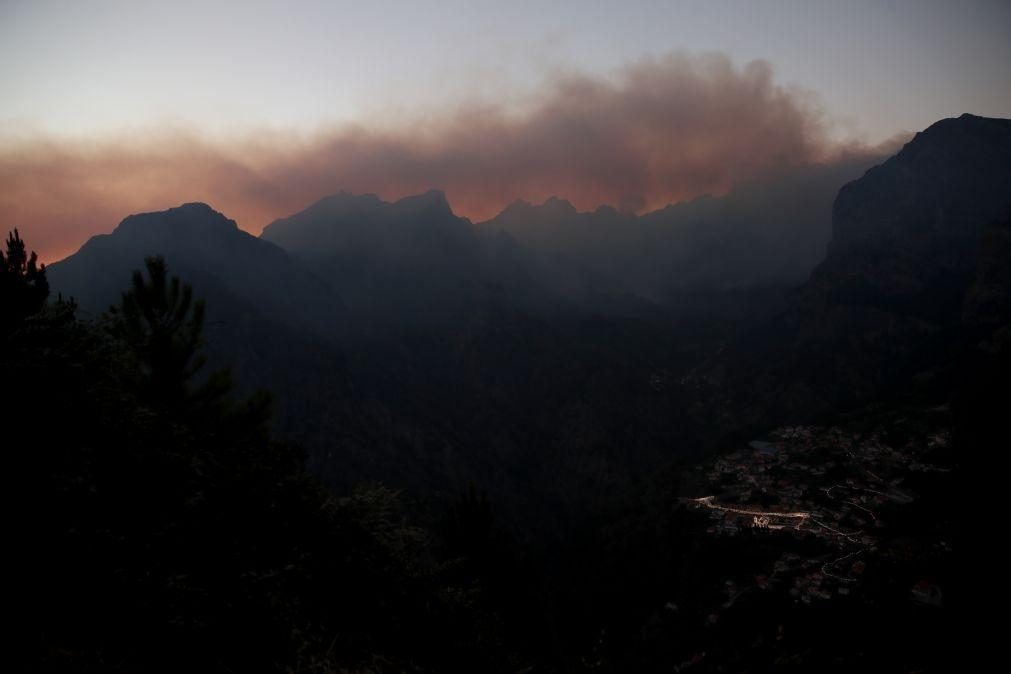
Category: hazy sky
<point>879,67</point>
<point>260,108</point>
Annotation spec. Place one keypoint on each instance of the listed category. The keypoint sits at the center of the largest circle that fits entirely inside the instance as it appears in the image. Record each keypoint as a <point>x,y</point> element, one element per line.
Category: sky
<point>262,107</point>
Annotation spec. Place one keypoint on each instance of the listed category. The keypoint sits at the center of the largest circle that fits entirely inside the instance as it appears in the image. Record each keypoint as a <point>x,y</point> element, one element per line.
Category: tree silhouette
<point>161,326</point>
<point>23,284</point>
<point>161,525</point>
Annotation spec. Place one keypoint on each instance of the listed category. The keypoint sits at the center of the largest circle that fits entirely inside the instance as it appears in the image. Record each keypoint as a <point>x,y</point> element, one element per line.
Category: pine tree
<point>161,326</point>
<point>23,284</point>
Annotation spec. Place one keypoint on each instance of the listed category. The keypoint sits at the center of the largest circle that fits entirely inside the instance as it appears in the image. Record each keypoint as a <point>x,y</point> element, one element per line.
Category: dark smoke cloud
<point>663,130</point>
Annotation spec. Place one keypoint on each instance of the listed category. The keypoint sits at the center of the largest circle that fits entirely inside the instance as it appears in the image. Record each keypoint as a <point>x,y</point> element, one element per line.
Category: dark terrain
<point>481,438</point>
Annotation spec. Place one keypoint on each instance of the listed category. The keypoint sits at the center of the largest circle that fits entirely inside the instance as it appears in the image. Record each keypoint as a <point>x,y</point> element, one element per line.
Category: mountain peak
<point>188,217</point>
<point>608,210</point>
<point>954,129</point>
<point>556,205</point>
<point>196,207</point>
<point>954,176</point>
<point>516,209</point>
<point>522,213</point>
<point>920,216</point>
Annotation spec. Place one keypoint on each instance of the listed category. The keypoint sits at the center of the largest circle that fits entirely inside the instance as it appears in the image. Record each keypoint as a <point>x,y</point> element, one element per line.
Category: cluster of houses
<point>816,482</point>
<point>838,477</point>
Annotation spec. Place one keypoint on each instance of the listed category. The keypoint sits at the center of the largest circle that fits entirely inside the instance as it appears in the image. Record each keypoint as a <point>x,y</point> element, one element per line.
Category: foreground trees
<point>23,285</point>
<point>159,527</point>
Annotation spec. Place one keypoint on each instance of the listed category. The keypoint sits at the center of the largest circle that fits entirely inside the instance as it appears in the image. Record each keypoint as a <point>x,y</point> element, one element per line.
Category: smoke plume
<point>661,130</point>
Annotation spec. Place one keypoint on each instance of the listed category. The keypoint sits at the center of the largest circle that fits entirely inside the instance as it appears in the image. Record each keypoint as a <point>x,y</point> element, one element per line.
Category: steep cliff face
<point>887,302</point>
<point>906,236</point>
<point>883,313</point>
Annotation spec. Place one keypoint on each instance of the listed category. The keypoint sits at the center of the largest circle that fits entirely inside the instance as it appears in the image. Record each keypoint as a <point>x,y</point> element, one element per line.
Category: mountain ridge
<point>885,307</point>
<point>229,266</point>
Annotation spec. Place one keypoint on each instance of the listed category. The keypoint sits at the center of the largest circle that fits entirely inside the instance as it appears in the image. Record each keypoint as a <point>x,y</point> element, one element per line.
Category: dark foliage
<point>23,283</point>
<point>160,528</point>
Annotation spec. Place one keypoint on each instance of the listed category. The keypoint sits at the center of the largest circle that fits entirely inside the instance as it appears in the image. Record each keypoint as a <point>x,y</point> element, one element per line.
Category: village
<point>826,489</point>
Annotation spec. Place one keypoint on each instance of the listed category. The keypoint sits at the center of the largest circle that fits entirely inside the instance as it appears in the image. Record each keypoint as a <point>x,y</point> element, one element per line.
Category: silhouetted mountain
<point>765,233</point>
<point>460,352</point>
<point>404,262</point>
<point>472,364</point>
<point>886,304</point>
<point>906,236</point>
<point>267,317</point>
<point>231,268</point>
<point>456,353</point>
<point>906,244</point>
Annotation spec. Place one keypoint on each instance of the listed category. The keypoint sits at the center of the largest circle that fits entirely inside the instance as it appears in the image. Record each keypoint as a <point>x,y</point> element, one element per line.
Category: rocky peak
<point>946,184</point>
<point>187,219</point>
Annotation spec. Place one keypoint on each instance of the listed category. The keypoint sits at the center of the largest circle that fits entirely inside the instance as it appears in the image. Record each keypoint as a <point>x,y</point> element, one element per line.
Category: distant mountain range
<point>548,351</point>
<point>411,261</point>
<point>415,260</point>
<point>767,232</point>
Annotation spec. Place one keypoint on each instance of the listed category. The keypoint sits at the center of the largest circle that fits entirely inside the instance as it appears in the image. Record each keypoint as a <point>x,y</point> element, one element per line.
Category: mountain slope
<point>410,261</point>
<point>906,236</point>
<point>272,321</point>
<point>229,267</point>
<point>769,232</point>
<point>473,367</point>
<point>882,314</point>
